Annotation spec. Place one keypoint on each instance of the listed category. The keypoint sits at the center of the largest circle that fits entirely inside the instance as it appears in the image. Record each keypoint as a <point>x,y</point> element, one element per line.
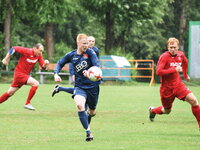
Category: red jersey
<point>166,68</point>
<point>27,60</point>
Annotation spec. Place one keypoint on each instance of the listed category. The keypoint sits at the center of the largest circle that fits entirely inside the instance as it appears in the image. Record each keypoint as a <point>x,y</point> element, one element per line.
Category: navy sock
<point>66,89</point>
<point>89,119</point>
<point>84,119</point>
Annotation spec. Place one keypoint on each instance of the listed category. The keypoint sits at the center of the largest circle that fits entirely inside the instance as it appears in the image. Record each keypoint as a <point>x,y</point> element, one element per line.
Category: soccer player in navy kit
<point>86,92</point>
<point>58,88</point>
<point>170,64</point>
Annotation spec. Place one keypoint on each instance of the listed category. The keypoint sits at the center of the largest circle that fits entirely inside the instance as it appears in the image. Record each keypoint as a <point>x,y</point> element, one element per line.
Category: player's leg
<point>83,116</point>
<point>34,86</point>
<point>59,88</point>
<point>183,93</point>
<point>91,113</point>
<point>8,94</point>
<point>92,101</point>
<point>164,109</point>
<point>16,84</point>
<point>192,100</point>
<point>167,98</point>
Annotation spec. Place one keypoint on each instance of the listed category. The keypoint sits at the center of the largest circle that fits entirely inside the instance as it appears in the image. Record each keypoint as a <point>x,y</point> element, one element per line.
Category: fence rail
<point>134,63</point>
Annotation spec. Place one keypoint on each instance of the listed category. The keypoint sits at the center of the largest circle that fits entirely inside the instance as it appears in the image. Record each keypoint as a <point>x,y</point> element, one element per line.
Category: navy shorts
<point>91,96</point>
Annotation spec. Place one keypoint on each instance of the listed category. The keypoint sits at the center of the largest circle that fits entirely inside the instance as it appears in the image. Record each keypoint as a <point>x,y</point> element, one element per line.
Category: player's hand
<point>57,78</point>
<point>179,69</point>
<point>73,78</point>
<point>188,78</point>
<point>46,64</point>
<point>86,73</point>
<point>4,61</point>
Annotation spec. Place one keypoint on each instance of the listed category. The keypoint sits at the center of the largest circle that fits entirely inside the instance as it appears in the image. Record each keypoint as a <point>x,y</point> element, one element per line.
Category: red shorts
<point>19,79</point>
<point>168,95</point>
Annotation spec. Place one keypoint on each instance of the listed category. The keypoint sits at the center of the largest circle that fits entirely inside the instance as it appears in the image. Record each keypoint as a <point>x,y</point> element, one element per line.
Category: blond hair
<point>38,45</point>
<point>80,37</point>
<point>173,40</point>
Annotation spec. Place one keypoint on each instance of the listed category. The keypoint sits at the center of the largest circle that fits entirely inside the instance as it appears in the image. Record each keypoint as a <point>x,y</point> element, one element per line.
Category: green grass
<point>121,122</point>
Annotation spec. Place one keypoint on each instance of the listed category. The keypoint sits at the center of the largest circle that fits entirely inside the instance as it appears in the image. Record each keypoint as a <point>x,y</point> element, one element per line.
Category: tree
<point>7,23</point>
<point>123,16</point>
<point>49,13</point>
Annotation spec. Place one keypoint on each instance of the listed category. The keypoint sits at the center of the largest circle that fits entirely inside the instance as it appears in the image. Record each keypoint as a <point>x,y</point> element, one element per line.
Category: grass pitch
<point>121,122</point>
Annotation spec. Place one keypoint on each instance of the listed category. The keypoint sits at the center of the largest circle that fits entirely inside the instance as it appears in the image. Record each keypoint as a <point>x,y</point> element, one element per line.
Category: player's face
<point>91,42</point>
<point>173,48</point>
<point>82,45</point>
<point>39,50</point>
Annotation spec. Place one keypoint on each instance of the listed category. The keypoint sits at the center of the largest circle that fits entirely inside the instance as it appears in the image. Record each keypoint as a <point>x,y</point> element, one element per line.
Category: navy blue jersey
<point>80,63</point>
<point>71,69</point>
<point>96,50</point>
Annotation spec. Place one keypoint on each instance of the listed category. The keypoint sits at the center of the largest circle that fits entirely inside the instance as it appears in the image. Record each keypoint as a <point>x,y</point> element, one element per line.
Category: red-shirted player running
<point>170,64</point>
<point>29,57</point>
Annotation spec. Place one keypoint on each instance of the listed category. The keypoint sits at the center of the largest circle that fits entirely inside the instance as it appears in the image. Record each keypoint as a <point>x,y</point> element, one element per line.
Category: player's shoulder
<point>181,53</point>
<point>71,53</point>
<point>165,54</point>
<point>21,48</point>
<point>90,51</point>
<point>95,48</point>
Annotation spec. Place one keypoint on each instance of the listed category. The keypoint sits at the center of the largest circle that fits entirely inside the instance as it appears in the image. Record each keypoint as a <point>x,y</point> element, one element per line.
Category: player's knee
<point>167,111</point>
<point>193,102</point>
<point>11,93</point>
<point>80,107</point>
<point>36,84</point>
<point>92,113</point>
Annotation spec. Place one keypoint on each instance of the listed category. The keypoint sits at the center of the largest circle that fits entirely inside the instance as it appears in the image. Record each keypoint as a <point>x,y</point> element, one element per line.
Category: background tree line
<point>135,28</point>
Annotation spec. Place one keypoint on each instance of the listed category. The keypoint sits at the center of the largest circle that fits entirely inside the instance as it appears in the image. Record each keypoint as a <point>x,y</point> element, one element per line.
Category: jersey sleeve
<point>71,69</point>
<point>161,71</point>
<point>185,67</point>
<point>23,50</point>
<point>41,61</point>
<point>62,62</point>
<point>94,58</point>
<point>96,51</point>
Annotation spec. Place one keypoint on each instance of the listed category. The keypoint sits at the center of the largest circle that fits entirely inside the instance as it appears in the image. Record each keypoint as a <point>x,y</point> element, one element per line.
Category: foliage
<point>133,20</point>
<point>139,28</point>
<point>61,49</point>
<point>49,11</point>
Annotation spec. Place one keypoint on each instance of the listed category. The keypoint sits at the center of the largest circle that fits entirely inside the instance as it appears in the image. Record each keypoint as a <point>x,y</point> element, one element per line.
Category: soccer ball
<point>94,73</point>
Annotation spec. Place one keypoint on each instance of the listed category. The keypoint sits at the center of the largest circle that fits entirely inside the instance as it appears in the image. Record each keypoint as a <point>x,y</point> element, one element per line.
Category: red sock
<point>157,110</point>
<point>196,112</point>
<point>31,94</point>
<point>4,97</point>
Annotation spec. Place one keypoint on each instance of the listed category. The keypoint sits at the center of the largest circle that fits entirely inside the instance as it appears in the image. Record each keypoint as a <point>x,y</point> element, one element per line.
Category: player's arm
<point>59,66</point>
<point>23,50</point>
<point>43,63</point>
<point>94,60</point>
<point>96,51</point>
<point>160,71</point>
<point>6,59</point>
<point>185,68</point>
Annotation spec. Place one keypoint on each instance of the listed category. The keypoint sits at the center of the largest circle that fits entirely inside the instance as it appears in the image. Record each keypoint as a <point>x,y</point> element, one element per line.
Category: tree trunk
<point>183,21</point>
<point>7,24</point>
<point>122,41</point>
<point>109,33</point>
<point>49,42</point>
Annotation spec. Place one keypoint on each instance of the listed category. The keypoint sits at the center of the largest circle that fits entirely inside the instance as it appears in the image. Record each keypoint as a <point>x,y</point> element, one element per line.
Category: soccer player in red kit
<point>170,64</point>
<point>29,57</point>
